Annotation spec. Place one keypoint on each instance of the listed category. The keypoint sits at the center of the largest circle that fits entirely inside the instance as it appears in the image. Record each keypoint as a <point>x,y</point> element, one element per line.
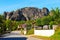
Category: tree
<point>11,25</point>
<point>38,22</point>
<point>45,20</point>
<point>14,25</point>
<point>30,24</point>
<point>8,25</point>
<point>55,14</point>
<point>2,25</point>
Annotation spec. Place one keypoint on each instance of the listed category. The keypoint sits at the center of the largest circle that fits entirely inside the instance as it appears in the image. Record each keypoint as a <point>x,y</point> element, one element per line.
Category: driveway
<point>13,34</point>
<point>17,34</point>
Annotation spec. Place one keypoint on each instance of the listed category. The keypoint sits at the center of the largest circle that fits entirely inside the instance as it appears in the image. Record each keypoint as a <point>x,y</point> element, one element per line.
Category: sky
<point>10,5</point>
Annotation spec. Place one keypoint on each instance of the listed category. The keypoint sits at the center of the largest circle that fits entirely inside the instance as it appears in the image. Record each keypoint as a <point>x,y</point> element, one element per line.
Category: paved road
<point>18,34</point>
<point>14,34</point>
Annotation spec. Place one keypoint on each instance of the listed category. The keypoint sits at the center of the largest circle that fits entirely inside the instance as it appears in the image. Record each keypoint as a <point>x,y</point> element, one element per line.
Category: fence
<point>47,33</point>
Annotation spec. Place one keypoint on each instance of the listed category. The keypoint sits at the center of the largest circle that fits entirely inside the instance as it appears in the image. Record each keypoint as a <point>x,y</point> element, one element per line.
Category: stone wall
<point>46,27</point>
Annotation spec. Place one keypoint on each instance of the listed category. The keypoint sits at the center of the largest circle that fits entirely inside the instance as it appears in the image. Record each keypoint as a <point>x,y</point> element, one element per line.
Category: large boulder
<point>27,13</point>
<point>46,27</point>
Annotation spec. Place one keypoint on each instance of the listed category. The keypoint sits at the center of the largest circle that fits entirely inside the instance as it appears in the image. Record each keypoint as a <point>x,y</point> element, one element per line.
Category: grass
<point>56,36</point>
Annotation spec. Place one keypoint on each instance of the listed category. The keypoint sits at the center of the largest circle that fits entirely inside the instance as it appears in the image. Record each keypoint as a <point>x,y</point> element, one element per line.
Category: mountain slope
<point>27,13</point>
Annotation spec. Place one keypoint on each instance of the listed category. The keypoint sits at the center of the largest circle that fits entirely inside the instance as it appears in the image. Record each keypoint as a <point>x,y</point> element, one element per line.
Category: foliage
<point>29,24</point>
<point>31,31</point>
<point>56,14</point>
<point>2,25</point>
<point>52,19</point>
<point>38,21</point>
<point>56,36</point>
<point>11,25</point>
<point>14,25</point>
<point>43,21</point>
<point>21,22</point>
<point>29,27</point>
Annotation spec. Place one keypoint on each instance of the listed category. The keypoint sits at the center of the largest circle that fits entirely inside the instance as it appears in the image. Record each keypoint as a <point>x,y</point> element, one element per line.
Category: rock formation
<point>27,13</point>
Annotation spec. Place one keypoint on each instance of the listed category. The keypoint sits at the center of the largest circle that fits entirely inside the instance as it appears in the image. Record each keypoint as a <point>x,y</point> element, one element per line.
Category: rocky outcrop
<point>27,13</point>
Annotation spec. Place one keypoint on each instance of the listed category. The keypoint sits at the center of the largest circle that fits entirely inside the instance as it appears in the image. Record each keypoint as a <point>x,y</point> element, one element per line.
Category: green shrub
<point>28,27</point>
<point>31,31</point>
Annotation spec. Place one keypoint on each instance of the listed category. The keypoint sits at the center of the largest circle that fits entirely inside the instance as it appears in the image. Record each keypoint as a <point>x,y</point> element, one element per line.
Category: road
<point>17,34</point>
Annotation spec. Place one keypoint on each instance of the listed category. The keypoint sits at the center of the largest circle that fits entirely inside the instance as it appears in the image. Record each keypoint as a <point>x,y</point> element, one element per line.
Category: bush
<point>31,31</point>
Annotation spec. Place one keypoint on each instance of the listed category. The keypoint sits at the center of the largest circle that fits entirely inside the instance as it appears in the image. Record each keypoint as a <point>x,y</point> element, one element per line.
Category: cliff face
<point>27,13</point>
